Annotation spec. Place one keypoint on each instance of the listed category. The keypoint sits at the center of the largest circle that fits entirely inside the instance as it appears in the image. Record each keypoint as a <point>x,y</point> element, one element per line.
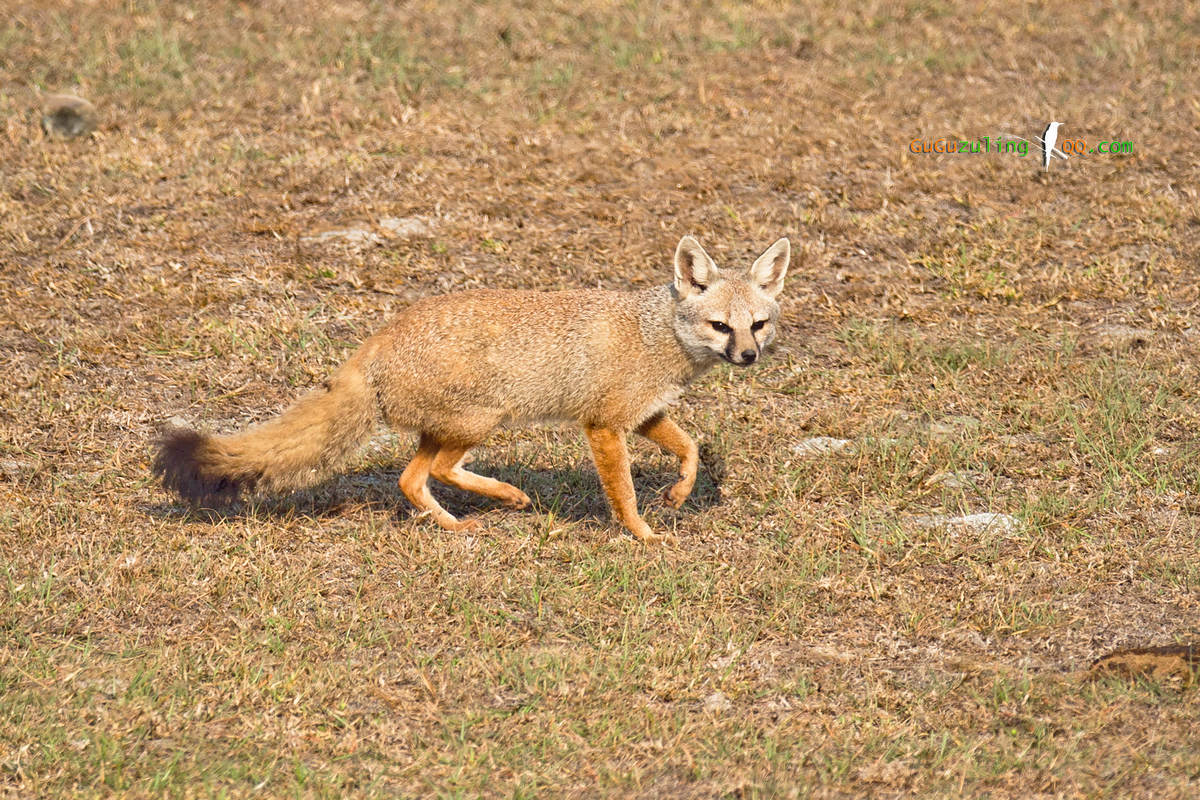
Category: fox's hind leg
<point>670,437</point>
<point>447,468</point>
<point>414,482</point>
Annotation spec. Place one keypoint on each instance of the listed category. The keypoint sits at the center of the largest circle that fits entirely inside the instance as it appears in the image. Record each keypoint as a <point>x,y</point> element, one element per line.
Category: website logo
<point>1049,146</point>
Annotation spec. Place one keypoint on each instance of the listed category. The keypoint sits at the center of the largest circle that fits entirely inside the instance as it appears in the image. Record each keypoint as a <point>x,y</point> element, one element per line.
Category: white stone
<point>988,522</point>
<point>1121,337</point>
<point>354,236</point>
<point>363,236</point>
<point>717,702</point>
<point>955,480</point>
<point>405,226</point>
<point>13,468</point>
<point>822,445</point>
<point>952,426</point>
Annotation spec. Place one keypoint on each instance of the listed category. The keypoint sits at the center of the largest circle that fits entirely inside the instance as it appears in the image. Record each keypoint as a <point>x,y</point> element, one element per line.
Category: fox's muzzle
<point>743,359</point>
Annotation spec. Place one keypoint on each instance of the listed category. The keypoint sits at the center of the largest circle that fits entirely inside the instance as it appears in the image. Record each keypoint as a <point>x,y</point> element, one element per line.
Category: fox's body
<point>455,367</point>
<point>459,365</point>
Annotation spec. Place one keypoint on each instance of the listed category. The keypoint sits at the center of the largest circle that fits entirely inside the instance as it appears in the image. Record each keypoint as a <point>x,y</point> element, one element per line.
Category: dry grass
<point>807,638</point>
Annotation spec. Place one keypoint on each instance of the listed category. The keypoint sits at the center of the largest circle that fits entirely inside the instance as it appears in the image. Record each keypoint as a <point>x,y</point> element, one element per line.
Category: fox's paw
<point>664,539</point>
<point>452,524</point>
<point>678,494</point>
<point>646,536</point>
<point>518,500</point>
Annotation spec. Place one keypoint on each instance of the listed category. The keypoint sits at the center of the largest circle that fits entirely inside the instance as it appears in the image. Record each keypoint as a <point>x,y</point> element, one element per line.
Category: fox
<point>453,368</point>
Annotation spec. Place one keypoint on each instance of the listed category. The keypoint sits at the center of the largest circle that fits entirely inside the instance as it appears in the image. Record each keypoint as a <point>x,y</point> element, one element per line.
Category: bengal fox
<point>455,367</point>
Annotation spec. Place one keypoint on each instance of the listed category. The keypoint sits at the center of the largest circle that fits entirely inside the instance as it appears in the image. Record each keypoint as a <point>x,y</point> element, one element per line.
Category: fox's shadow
<point>569,493</point>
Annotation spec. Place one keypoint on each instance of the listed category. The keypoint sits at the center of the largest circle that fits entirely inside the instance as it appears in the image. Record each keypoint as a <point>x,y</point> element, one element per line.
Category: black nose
<point>749,355</point>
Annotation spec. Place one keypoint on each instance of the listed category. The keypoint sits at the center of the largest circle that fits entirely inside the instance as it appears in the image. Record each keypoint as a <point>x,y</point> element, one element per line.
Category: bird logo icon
<point>1048,138</point>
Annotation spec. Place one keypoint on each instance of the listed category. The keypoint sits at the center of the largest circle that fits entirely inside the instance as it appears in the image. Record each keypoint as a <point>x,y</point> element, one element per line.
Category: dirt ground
<point>970,333</point>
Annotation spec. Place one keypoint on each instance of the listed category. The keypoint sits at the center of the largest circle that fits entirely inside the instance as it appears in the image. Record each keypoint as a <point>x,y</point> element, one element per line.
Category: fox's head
<point>726,313</point>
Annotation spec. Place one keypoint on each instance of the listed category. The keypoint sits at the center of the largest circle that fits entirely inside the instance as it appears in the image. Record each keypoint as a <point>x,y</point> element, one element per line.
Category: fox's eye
<point>720,327</point>
<point>758,325</point>
<point>699,287</point>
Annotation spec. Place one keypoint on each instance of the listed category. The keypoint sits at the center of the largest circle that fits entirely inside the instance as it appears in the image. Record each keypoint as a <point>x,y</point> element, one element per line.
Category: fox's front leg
<point>670,437</point>
<point>612,463</point>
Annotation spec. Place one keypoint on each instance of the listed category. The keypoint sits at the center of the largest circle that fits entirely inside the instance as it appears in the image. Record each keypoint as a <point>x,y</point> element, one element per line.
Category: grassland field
<point>971,333</point>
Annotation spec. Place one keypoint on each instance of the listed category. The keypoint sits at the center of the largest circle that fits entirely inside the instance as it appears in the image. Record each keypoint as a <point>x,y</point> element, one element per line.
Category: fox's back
<point>525,355</point>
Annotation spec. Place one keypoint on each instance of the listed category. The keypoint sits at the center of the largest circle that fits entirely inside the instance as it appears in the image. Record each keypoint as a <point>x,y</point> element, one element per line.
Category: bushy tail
<point>306,442</point>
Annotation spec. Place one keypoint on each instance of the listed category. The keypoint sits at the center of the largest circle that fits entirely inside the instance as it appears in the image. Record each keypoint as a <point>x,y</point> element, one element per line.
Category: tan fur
<point>455,367</point>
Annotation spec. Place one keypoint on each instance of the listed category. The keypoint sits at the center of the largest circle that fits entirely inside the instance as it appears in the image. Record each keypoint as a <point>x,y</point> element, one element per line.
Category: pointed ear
<point>694,270</point>
<point>768,269</point>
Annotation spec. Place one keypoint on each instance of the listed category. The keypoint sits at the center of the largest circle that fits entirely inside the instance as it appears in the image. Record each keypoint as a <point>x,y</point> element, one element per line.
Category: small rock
<point>822,445</point>
<point>988,522</point>
<point>1119,338</point>
<point>717,702</point>
<point>955,480</point>
<point>952,426</point>
<point>178,422</point>
<point>11,469</point>
<point>886,772</point>
<point>363,236</point>
<point>67,116</point>
<point>405,226</point>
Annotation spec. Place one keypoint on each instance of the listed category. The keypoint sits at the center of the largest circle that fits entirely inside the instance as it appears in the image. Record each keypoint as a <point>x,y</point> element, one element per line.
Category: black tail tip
<point>184,465</point>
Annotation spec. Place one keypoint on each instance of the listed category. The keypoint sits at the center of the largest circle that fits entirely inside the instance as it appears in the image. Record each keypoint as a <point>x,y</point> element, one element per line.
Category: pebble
<point>988,522</point>
<point>1119,338</point>
<point>363,236</point>
<point>12,469</point>
<point>405,226</point>
<point>717,702</point>
<point>952,426</point>
<point>67,116</point>
<point>822,445</point>
<point>955,480</point>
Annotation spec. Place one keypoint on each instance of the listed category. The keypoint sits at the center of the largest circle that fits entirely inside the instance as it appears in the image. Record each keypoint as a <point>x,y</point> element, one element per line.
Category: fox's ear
<point>694,270</point>
<point>768,269</point>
